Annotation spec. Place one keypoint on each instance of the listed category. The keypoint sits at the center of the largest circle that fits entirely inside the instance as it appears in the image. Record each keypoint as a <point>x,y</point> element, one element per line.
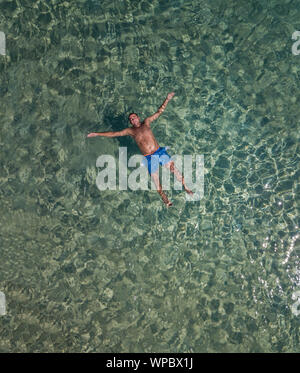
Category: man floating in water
<point>143,135</point>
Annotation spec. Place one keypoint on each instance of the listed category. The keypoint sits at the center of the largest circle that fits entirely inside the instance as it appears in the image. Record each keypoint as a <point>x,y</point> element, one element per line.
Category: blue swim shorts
<point>160,156</point>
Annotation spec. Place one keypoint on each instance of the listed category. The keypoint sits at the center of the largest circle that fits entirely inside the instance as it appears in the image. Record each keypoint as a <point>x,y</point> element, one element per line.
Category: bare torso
<point>144,138</point>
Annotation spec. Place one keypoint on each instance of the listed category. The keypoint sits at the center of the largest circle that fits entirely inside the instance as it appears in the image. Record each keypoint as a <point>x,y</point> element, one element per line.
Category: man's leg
<point>178,175</point>
<point>155,177</point>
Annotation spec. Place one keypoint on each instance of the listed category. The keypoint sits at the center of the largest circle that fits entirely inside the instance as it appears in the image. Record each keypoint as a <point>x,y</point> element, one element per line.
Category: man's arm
<point>160,110</point>
<point>125,132</point>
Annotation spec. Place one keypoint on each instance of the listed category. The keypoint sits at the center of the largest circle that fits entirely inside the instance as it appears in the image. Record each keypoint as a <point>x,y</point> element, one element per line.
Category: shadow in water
<point>118,123</point>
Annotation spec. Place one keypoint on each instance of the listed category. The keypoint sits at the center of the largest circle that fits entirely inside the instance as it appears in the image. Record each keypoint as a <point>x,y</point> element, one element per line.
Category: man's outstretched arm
<point>125,132</point>
<point>160,110</point>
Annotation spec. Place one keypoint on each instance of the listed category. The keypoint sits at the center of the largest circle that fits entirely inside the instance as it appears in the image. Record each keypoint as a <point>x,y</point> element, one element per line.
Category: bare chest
<point>143,133</point>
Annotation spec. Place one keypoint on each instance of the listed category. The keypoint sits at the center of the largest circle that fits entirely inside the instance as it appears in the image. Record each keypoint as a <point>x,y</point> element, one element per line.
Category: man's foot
<point>165,199</point>
<point>188,191</point>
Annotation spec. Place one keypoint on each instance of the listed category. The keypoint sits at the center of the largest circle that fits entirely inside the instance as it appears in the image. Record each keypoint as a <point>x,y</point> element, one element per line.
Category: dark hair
<point>131,114</point>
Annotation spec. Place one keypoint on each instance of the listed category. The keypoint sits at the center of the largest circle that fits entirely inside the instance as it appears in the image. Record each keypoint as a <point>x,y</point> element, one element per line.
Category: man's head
<point>134,119</point>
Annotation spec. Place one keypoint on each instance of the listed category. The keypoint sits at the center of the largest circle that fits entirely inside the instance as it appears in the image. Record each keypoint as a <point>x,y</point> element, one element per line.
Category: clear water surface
<point>115,271</point>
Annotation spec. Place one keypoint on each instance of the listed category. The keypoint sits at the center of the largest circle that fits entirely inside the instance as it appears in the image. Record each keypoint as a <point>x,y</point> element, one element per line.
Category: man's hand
<point>170,96</point>
<point>160,110</point>
<point>125,132</point>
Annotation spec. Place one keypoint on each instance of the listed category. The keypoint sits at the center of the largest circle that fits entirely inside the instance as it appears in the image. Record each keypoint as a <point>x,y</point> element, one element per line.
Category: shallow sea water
<point>115,271</point>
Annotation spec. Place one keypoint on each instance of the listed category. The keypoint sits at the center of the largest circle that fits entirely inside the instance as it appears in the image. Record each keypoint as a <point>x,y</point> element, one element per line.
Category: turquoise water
<point>115,271</point>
